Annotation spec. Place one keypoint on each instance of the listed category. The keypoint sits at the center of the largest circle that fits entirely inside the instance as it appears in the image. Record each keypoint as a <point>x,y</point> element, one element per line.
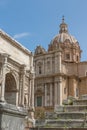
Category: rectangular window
<point>48,66</point>
<point>39,101</point>
<point>67,56</point>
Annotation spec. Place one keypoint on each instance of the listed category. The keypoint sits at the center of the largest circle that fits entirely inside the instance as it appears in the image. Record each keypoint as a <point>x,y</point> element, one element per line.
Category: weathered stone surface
<point>16,83</point>
<point>68,116</point>
<point>65,123</point>
<point>50,115</point>
<point>75,108</point>
<point>80,102</point>
<point>58,108</point>
<point>12,117</point>
<point>71,115</point>
<point>84,97</point>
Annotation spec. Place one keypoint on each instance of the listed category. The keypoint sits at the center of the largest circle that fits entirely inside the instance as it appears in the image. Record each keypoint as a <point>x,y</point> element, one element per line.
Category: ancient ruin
<point>16,84</point>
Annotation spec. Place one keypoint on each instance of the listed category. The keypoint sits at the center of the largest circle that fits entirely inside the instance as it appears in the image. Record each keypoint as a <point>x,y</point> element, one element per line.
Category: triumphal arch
<point>16,83</point>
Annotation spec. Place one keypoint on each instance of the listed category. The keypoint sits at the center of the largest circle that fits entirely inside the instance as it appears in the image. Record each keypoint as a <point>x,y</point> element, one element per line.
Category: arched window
<point>39,65</point>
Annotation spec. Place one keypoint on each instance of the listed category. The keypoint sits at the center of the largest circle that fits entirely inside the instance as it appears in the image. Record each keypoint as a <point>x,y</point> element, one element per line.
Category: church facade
<point>59,72</point>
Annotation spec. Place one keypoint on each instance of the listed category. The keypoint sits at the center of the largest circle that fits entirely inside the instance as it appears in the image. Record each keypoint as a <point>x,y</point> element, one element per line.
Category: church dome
<point>63,38</point>
<point>69,45</point>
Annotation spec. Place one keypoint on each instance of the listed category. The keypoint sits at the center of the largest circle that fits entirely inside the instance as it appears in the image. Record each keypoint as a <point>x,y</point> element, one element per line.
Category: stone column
<point>60,91</point>
<point>29,94</point>
<point>55,94</point>
<point>4,65</point>
<point>20,90</point>
<point>45,95</point>
<point>51,94</point>
<point>51,69</point>
<point>32,91</point>
<point>56,63</point>
<point>22,85</point>
<point>59,60</point>
<point>31,99</point>
<point>60,78</point>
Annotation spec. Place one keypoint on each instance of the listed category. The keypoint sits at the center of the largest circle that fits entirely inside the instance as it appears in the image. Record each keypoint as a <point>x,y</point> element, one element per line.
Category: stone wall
<point>83,86</point>
<point>16,53</point>
<point>12,117</point>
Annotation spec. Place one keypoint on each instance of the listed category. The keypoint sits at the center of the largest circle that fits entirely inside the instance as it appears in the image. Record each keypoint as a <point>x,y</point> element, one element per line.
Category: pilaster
<point>45,95</point>
<point>29,95</point>
<point>3,71</point>
<point>56,94</point>
<point>59,60</point>
<point>22,84</point>
<point>60,91</point>
<point>51,94</point>
<point>32,76</point>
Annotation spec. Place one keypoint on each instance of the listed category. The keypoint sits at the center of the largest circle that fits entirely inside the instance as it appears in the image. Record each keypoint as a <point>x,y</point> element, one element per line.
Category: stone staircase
<point>67,116</point>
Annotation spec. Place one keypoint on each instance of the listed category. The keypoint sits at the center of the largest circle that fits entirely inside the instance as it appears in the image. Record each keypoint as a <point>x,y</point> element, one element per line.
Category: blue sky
<point>36,22</point>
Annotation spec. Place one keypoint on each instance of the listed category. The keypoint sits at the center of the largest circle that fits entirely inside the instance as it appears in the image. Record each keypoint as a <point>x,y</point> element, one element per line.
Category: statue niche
<point>10,89</point>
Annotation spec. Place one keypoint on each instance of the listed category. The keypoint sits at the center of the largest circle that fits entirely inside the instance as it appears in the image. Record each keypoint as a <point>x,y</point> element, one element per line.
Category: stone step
<point>40,123</point>
<point>80,102</point>
<point>50,115</point>
<point>65,123</point>
<point>71,108</point>
<point>83,96</point>
<point>66,115</point>
<point>75,108</point>
<point>71,115</point>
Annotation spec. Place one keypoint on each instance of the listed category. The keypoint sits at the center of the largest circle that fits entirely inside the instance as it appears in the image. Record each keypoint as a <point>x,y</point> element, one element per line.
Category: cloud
<point>21,35</point>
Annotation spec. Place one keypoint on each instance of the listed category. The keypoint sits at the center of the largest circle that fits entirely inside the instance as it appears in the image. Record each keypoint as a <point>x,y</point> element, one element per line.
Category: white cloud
<point>21,35</point>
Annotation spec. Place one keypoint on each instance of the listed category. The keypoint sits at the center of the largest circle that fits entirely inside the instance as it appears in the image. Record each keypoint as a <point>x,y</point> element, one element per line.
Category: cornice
<point>48,53</point>
<point>14,42</point>
<point>15,63</point>
<point>50,75</point>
